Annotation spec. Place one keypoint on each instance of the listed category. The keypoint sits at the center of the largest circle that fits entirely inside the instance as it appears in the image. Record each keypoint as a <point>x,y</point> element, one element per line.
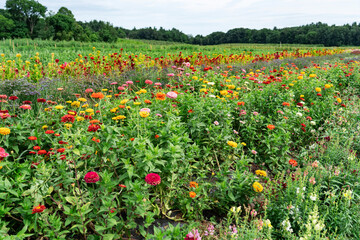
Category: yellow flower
<point>108,96</point>
<point>301,95</point>
<point>128,107</point>
<point>5,131</point>
<point>203,90</point>
<point>137,103</point>
<point>231,86</point>
<point>104,90</point>
<point>339,100</point>
<point>82,99</point>
<point>144,114</point>
<point>80,119</point>
<point>120,117</point>
<point>47,109</point>
<point>257,187</point>
<point>300,77</point>
<point>327,86</point>
<point>224,92</point>
<point>85,106</point>
<point>318,89</point>
<point>59,107</point>
<point>18,55</point>
<point>143,91</point>
<point>96,105</point>
<point>124,101</point>
<point>312,75</point>
<point>114,109</point>
<point>75,104</point>
<point>68,101</point>
<point>68,125</point>
<point>195,78</point>
<point>261,173</point>
<point>89,110</point>
<point>44,127</point>
<point>291,84</point>
<point>232,144</point>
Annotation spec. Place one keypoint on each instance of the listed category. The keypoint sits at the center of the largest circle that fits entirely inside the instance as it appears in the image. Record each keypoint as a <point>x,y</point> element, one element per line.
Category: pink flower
<point>25,106</point>
<point>3,153</point>
<point>91,177</point>
<point>193,235</point>
<point>187,64</point>
<point>113,83</point>
<point>121,88</point>
<point>170,74</point>
<point>3,97</point>
<point>158,84</point>
<point>129,82</point>
<point>255,113</point>
<point>216,123</point>
<point>89,90</point>
<point>312,180</point>
<point>254,152</point>
<point>153,179</point>
<point>145,110</point>
<point>172,95</point>
<point>148,82</point>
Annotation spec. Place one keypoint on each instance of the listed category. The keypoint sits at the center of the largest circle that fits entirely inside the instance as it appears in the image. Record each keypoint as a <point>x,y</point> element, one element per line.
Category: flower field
<point>216,146</point>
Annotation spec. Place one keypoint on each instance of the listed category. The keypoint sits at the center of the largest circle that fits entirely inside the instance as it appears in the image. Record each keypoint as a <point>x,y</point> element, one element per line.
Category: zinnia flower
<point>5,131</point>
<point>153,179</point>
<point>160,96</point>
<point>193,184</point>
<point>25,107</point>
<point>144,114</point>
<point>171,95</point>
<point>257,187</point>
<point>91,177</point>
<point>3,154</point>
<point>271,127</point>
<point>93,128</point>
<point>98,95</point>
<point>261,173</point>
<point>38,209</point>
<point>232,144</point>
<point>192,194</point>
<point>293,163</point>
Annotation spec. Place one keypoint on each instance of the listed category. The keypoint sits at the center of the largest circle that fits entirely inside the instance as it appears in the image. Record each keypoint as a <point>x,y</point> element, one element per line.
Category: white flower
<point>313,123</point>
<point>212,96</point>
<point>313,197</point>
<point>313,131</point>
<point>211,83</point>
<point>321,128</point>
<point>299,114</point>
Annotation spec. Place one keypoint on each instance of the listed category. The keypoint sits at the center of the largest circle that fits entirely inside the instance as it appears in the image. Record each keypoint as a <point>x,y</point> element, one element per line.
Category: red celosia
<point>91,177</point>
<point>67,118</point>
<point>38,209</point>
<point>153,179</point>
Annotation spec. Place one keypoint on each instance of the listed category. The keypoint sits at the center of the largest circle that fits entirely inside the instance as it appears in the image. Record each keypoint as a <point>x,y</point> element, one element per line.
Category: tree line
<point>30,19</point>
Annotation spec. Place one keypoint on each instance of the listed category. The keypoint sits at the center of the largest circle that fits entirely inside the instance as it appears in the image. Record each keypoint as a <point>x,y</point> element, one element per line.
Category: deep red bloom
<point>32,138</point>
<point>300,104</point>
<point>37,148</point>
<point>319,94</point>
<point>153,179</point>
<point>38,209</point>
<point>27,102</point>
<point>304,130</point>
<point>63,157</point>
<point>91,177</point>
<point>13,98</point>
<point>303,125</point>
<point>68,118</point>
<point>42,100</point>
<point>93,128</point>
<point>190,111</point>
<point>49,132</point>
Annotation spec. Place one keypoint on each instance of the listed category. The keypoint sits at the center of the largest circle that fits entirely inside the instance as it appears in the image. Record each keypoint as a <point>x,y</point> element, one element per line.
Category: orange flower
<point>193,184</point>
<point>241,103</point>
<point>192,194</point>
<point>160,96</point>
<point>121,106</point>
<point>271,127</point>
<point>132,139</point>
<point>293,163</point>
<point>94,121</point>
<point>98,95</point>
<point>147,101</point>
<point>286,104</point>
<point>157,136</point>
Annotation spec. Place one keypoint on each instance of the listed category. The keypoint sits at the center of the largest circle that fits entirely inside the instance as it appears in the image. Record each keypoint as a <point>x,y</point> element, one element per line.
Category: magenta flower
<point>91,177</point>
<point>148,82</point>
<point>170,74</point>
<point>121,88</point>
<point>3,153</point>
<point>129,82</point>
<point>153,179</point>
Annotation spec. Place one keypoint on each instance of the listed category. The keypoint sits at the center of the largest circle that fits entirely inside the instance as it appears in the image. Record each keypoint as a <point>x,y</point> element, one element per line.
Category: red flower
<point>61,150</point>
<point>190,111</point>
<point>132,139</point>
<point>57,134</point>
<point>38,209</point>
<point>93,128</point>
<point>300,104</point>
<point>303,125</point>
<point>13,98</point>
<point>68,118</point>
<point>41,100</point>
<point>293,163</point>
<point>37,148</point>
<point>304,130</point>
<point>49,132</point>
<point>32,138</point>
<point>41,152</point>
<point>157,136</point>
<point>63,157</point>
<point>152,179</point>
<point>271,127</point>
<point>122,186</point>
<point>91,177</point>
<point>319,94</point>
<point>241,103</point>
<point>27,102</point>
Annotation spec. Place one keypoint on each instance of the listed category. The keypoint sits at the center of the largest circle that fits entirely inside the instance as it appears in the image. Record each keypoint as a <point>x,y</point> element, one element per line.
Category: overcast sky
<point>207,16</point>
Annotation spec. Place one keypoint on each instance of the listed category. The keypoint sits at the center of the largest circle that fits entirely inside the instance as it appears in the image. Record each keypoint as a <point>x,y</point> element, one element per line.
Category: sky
<point>207,16</point>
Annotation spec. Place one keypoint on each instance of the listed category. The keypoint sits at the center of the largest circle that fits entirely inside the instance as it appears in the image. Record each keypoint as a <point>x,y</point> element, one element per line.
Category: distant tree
<point>28,11</point>
<point>6,27</point>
